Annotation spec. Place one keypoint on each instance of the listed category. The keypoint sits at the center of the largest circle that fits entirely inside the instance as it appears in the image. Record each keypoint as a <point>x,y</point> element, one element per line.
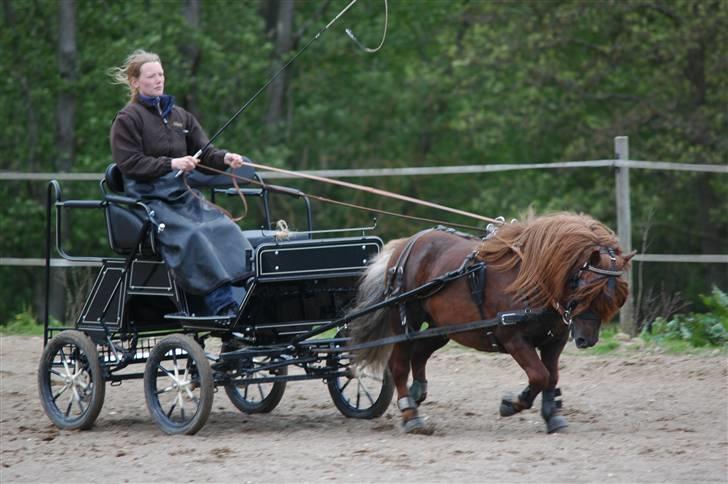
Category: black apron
<point>201,246</point>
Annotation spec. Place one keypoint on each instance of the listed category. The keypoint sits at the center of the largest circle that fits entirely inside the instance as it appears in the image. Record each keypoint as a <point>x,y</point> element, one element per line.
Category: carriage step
<point>193,320</point>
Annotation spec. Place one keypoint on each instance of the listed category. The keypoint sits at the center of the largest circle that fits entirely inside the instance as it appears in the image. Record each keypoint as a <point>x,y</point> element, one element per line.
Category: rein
<point>506,318</point>
<point>209,203</point>
<point>353,205</point>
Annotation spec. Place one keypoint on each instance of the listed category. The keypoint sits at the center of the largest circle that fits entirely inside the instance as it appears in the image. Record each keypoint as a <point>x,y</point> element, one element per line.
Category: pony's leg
<point>550,403</point>
<point>399,367</point>
<point>421,352</point>
<point>538,377</point>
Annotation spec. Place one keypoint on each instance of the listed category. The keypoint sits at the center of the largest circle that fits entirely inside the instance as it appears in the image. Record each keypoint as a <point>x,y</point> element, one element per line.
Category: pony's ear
<point>629,256</point>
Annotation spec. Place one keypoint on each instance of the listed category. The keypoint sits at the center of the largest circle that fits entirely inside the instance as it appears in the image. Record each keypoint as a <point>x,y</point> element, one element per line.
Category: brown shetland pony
<point>550,263</point>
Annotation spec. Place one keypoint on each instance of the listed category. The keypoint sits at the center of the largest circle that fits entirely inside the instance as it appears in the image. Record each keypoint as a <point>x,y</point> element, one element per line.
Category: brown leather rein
<point>354,186</point>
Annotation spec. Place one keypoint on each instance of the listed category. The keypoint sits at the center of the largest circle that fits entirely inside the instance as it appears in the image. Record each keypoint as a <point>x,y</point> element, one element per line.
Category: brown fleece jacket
<point>143,145</point>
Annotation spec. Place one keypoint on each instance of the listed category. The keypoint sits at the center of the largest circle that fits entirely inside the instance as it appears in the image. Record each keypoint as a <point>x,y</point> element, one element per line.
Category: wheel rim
<point>358,386</point>
<point>70,383</point>
<point>177,388</point>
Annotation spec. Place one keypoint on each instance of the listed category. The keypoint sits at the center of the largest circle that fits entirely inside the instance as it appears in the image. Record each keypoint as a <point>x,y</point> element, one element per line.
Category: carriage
<point>137,323</point>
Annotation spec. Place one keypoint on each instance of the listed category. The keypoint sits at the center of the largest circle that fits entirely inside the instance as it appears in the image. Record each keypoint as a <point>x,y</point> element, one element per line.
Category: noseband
<point>612,273</point>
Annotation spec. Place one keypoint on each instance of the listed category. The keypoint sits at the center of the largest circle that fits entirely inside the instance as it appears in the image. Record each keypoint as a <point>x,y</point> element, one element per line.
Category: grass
<point>22,328</point>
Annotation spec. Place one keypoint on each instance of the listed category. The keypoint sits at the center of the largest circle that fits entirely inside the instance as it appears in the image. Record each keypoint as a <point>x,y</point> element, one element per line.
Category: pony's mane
<point>549,249</point>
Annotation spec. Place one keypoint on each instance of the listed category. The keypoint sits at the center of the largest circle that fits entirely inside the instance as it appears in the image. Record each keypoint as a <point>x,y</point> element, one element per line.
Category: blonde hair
<point>131,69</point>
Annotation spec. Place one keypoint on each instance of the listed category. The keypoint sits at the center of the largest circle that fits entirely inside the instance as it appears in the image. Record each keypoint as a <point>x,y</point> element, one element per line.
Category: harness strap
<point>507,318</point>
<point>395,279</point>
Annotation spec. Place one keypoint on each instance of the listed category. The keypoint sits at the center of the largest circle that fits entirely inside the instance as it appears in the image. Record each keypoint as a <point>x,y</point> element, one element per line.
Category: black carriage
<point>135,314</point>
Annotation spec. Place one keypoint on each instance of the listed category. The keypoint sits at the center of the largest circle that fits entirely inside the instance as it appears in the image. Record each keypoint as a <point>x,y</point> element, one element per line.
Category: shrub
<point>697,329</point>
<point>23,322</point>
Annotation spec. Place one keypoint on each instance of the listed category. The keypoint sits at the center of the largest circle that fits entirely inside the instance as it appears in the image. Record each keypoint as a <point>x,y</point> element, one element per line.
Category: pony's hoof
<point>556,424</point>
<point>417,426</point>
<point>507,408</point>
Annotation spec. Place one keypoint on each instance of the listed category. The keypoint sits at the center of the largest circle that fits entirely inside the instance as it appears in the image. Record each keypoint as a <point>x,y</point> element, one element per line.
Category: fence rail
<point>417,171</point>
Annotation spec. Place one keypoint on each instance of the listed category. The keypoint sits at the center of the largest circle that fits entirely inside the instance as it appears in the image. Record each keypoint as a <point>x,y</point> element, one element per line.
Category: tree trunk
<point>191,11</point>
<point>711,235</point>
<point>65,125</point>
<point>276,110</point>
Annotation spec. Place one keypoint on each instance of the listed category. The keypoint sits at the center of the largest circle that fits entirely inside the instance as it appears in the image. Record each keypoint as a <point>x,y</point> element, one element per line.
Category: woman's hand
<point>186,163</point>
<point>233,160</point>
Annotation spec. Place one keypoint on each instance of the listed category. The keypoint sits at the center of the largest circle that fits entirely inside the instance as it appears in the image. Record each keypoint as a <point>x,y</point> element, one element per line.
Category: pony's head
<point>570,262</point>
<point>596,292</point>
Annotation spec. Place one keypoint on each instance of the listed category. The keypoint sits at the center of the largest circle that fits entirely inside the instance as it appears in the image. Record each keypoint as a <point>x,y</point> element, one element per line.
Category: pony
<point>558,274</point>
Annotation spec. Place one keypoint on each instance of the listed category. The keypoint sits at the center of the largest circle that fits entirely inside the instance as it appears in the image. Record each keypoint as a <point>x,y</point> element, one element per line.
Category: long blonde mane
<point>547,251</point>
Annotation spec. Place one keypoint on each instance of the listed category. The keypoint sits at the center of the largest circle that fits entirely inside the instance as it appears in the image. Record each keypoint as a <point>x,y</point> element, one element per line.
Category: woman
<point>151,141</point>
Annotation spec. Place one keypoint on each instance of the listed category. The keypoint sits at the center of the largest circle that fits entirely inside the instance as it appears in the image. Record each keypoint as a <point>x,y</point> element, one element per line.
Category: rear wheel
<point>70,381</point>
<point>256,397</point>
<point>178,385</point>
<point>359,392</point>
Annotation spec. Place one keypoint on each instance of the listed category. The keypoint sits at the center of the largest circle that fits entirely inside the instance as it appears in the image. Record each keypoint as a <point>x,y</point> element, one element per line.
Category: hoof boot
<point>507,408</point>
<point>556,424</point>
<point>416,426</point>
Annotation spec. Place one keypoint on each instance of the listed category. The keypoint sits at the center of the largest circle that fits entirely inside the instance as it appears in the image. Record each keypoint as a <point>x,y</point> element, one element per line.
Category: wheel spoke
<point>164,390</point>
<point>181,405</point>
<point>343,387</point>
<point>171,409</point>
<point>64,362</point>
<point>56,373</point>
<point>190,394</point>
<point>174,362</point>
<point>77,399</point>
<point>65,387</point>
<point>68,409</point>
<point>366,392</point>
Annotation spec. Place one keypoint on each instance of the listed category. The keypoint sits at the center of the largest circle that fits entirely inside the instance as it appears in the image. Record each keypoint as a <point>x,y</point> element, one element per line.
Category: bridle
<point>567,311</point>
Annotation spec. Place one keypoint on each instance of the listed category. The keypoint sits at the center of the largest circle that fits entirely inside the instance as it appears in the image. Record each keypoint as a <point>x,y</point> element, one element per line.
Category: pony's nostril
<point>580,342</point>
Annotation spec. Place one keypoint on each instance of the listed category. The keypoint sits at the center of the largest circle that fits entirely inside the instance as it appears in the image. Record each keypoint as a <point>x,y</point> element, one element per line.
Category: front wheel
<point>178,385</point>
<point>256,397</point>
<point>359,392</point>
<point>70,382</point>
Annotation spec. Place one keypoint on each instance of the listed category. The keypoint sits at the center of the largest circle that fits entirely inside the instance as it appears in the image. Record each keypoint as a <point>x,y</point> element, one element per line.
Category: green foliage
<point>696,329</point>
<point>457,82</point>
<point>607,340</point>
<point>23,323</point>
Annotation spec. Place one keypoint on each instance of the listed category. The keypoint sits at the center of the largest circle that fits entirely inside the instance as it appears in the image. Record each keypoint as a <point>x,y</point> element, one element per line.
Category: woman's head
<point>142,73</point>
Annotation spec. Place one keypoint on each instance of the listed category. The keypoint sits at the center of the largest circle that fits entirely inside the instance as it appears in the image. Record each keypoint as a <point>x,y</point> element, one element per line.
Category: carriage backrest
<point>123,225</point>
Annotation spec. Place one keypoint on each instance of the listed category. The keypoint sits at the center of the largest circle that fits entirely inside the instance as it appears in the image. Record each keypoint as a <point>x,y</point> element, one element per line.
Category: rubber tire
<point>87,347</point>
<point>266,405</point>
<point>206,385</point>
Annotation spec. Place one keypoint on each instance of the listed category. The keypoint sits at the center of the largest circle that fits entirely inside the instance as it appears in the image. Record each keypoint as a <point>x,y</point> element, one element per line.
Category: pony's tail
<point>374,325</point>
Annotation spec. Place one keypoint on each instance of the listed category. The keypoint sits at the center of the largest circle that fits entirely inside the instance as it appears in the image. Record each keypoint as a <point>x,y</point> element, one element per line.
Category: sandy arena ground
<point>634,417</point>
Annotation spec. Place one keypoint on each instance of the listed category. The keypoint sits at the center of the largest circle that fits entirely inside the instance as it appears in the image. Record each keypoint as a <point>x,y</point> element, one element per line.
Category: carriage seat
<point>124,223</point>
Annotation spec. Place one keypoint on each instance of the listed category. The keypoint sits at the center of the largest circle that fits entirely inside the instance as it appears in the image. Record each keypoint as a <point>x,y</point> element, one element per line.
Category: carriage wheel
<point>70,381</point>
<point>178,385</point>
<point>257,397</point>
<point>359,392</point>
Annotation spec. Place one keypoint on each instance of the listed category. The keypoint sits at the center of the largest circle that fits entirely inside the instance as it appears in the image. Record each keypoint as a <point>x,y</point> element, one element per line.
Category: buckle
<point>509,319</point>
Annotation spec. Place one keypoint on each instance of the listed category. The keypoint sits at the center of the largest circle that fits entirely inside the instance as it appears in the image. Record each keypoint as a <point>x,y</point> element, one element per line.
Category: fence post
<point>624,228</point>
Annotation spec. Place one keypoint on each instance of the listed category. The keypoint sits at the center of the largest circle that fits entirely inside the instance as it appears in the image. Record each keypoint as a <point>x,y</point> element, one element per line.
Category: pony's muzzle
<point>583,343</point>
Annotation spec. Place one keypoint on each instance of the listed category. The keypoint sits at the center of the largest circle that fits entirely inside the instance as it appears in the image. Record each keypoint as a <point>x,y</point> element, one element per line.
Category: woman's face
<point>151,79</point>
